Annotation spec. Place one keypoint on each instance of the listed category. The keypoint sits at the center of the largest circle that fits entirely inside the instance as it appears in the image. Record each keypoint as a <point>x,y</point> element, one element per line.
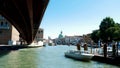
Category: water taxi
<point>80,55</point>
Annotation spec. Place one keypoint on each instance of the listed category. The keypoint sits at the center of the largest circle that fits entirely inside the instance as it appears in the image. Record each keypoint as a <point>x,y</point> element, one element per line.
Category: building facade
<point>72,40</point>
<point>39,35</point>
<point>8,33</point>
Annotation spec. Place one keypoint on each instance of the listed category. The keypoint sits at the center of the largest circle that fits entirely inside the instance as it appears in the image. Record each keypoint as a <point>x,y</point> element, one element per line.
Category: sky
<point>77,17</point>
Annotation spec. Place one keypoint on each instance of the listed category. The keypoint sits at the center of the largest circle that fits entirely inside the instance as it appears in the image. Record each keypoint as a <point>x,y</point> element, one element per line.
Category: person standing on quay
<point>78,46</point>
<point>85,47</point>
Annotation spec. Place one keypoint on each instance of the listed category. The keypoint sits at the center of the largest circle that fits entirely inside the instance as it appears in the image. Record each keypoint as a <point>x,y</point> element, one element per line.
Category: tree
<point>95,35</point>
<point>113,33</point>
<point>105,24</point>
<point>108,31</point>
<point>117,25</point>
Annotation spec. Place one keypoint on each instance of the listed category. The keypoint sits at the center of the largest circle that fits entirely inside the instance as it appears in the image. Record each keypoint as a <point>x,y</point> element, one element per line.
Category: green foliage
<point>95,35</point>
<point>105,24</point>
<point>108,31</point>
<point>117,25</point>
<point>114,32</point>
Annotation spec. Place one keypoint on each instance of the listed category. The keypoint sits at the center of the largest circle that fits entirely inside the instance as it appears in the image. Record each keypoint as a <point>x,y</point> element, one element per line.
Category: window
<point>39,32</point>
<point>1,23</point>
<point>6,24</point>
<point>0,32</point>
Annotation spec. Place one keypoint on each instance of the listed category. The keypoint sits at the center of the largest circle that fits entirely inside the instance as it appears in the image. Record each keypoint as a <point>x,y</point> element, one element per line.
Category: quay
<point>16,47</point>
<point>108,60</point>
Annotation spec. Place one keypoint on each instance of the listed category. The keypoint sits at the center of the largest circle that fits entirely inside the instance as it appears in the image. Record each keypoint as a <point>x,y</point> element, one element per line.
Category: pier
<point>16,47</point>
<point>108,60</point>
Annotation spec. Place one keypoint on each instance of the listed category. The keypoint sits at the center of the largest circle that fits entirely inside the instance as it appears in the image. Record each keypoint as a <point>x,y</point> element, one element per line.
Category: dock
<point>15,47</point>
<point>108,60</point>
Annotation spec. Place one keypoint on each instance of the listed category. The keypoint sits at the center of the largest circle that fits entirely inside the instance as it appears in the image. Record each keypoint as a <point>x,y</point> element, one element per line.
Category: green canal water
<point>45,57</point>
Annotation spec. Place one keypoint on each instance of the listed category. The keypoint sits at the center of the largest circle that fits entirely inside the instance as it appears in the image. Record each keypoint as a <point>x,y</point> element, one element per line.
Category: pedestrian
<point>85,47</point>
<point>78,46</point>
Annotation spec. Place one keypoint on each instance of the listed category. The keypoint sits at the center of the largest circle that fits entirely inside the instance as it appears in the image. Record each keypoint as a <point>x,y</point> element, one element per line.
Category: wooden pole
<point>114,50</point>
<point>105,50</point>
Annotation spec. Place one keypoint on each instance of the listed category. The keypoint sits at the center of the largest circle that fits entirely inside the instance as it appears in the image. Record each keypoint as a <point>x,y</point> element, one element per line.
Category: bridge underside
<point>24,15</point>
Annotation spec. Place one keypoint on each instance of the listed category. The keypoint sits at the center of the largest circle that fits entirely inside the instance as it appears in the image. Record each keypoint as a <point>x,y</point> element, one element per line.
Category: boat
<point>36,44</point>
<point>110,51</point>
<point>79,55</point>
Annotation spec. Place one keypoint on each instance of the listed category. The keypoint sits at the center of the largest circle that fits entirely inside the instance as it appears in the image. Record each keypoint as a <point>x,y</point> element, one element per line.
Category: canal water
<point>45,57</point>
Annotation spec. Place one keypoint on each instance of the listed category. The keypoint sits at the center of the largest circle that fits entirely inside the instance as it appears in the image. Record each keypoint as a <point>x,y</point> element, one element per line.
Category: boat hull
<point>79,56</point>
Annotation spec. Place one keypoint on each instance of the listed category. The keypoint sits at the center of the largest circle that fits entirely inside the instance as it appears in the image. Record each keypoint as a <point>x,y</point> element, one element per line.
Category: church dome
<point>60,35</point>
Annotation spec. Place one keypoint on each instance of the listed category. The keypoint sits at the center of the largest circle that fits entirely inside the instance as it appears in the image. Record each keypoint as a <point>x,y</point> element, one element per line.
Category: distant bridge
<point>24,15</point>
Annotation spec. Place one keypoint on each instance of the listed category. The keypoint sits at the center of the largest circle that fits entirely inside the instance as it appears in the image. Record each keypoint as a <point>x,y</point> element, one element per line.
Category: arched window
<point>41,31</point>
<point>1,23</point>
<point>38,32</point>
<point>6,24</point>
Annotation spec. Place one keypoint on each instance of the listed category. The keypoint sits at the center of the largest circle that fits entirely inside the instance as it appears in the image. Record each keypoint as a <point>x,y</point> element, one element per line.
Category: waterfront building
<point>73,39</point>
<point>38,40</point>
<point>87,38</point>
<point>67,40</point>
<point>60,39</point>
<point>60,35</point>
<point>39,35</point>
<point>8,34</point>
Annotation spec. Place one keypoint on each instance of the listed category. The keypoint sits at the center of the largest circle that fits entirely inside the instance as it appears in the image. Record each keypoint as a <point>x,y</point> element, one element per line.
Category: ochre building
<point>7,32</point>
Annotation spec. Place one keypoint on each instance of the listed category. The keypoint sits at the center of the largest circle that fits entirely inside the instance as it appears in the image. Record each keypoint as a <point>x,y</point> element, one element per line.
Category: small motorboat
<point>80,55</point>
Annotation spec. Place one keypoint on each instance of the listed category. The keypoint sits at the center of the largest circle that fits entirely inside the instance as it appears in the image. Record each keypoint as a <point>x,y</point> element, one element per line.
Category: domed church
<point>60,35</point>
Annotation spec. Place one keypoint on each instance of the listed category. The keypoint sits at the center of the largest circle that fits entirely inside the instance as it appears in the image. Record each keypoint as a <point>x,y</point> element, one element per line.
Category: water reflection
<point>4,52</point>
<point>19,59</point>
